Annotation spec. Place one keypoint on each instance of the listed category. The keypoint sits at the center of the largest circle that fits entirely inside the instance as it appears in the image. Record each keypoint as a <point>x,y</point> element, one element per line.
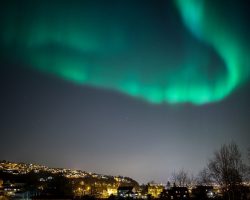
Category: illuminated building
<point>155,190</point>
<point>112,191</point>
<point>178,193</point>
<point>125,191</point>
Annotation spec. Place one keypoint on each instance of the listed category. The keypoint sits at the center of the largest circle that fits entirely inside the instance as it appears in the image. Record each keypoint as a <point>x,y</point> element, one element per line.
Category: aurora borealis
<point>183,51</point>
<point>137,88</point>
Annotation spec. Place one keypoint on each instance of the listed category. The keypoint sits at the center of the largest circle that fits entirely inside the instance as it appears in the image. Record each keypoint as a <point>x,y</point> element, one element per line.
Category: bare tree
<point>248,165</point>
<point>227,169</point>
<point>192,181</point>
<point>180,178</point>
<point>248,153</point>
<point>204,177</point>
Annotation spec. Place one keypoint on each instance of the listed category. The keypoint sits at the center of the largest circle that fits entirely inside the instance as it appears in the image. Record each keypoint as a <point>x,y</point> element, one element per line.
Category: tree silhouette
<point>204,177</point>
<point>180,178</point>
<point>227,169</point>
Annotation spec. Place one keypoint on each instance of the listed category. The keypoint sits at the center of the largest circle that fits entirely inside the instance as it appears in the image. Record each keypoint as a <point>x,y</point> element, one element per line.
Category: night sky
<point>134,88</point>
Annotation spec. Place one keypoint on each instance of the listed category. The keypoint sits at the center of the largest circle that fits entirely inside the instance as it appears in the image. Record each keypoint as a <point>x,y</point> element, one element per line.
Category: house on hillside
<point>125,191</point>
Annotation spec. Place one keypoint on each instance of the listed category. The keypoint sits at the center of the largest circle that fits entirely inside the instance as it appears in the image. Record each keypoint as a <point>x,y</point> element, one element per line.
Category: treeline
<point>226,168</point>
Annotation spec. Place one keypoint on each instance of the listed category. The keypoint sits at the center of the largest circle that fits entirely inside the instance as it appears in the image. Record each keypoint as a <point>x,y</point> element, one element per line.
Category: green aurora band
<point>219,33</point>
<point>119,46</point>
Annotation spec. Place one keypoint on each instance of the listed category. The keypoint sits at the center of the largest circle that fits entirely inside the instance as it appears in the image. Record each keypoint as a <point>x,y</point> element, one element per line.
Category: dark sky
<point>60,120</point>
